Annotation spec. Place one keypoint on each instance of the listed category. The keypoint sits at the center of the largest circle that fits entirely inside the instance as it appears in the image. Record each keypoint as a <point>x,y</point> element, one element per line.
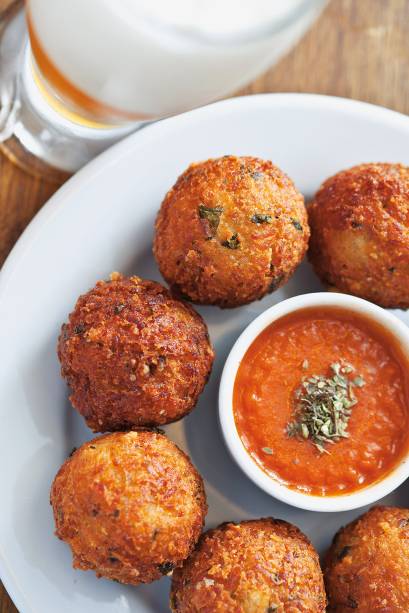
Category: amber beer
<point>90,72</point>
<point>115,61</point>
<point>73,81</point>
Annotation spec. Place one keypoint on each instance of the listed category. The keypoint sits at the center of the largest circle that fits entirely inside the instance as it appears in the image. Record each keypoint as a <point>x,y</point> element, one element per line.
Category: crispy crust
<point>130,505</point>
<point>133,355</point>
<point>193,253</point>
<point>367,566</point>
<point>360,233</point>
<point>258,566</point>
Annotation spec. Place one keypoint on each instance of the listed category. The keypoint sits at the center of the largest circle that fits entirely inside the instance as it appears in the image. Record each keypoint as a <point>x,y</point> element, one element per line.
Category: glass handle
<point>11,41</point>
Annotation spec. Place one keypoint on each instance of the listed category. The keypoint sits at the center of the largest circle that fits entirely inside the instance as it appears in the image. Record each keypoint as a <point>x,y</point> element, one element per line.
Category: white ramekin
<point>342,502</point>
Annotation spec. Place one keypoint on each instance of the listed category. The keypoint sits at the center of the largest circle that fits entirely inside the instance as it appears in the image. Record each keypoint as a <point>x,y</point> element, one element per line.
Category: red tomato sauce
<point>306,343</point>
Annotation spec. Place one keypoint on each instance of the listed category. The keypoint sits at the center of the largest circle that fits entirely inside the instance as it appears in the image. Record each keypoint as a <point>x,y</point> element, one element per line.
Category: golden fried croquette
<point>259,566</point>
<point>133,355</point>
<point>130,505</point>
<point>230,230</point>
<point>367,566</point>
<point>360,233</point>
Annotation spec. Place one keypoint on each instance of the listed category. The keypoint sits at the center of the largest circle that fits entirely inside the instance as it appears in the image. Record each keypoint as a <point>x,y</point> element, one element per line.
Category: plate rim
<point>113,155</point>
<point>121,149</point>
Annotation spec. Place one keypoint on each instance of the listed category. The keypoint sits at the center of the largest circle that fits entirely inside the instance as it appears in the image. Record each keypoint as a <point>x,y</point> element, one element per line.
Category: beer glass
<point>78,75</point>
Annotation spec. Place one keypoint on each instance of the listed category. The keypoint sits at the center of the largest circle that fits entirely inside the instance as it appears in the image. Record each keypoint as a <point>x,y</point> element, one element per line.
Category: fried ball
<point>230,230</point>
<point>130,505</point>
<point>259,566</point>
<point>133,355</point>
<point>367,566</point>
<point>360,233</point>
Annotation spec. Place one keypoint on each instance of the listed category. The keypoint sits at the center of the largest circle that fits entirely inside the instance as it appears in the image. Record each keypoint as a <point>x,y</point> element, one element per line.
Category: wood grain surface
<point>357,49</point>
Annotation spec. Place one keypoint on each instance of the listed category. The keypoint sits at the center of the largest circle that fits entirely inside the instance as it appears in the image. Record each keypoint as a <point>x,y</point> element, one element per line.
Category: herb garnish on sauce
<point>323,406</point>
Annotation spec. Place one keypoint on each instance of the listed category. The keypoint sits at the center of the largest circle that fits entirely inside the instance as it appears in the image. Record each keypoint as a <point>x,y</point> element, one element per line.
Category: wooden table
<point>358,49</point>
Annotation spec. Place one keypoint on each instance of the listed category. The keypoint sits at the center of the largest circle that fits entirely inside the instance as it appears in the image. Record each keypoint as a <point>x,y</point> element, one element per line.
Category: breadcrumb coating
<point>230,230</point>
<point>258,566</point>
<point>360,233</point>
<point>133,355</point>
<point>130,505</point>
<point>367,567</point>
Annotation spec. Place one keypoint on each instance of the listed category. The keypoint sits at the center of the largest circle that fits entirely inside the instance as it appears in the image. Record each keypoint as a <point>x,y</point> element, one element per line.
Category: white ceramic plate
<point>102,220</point>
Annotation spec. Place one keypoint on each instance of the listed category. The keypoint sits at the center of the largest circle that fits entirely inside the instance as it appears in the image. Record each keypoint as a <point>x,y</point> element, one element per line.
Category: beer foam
<point>211,18</point>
